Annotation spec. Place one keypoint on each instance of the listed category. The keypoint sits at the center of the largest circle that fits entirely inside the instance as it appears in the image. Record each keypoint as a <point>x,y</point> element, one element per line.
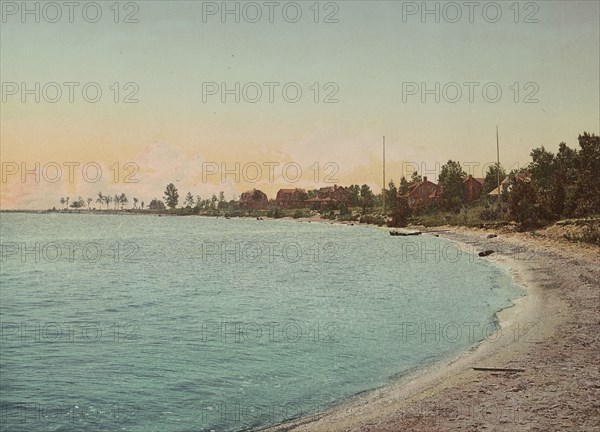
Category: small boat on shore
<point>405,234</point>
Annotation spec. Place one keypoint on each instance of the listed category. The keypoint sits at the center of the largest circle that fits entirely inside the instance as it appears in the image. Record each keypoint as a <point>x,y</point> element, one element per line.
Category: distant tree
<point>142,205</point>
<point>107,200</point>
<point>522,202</point>
<point>491,178</point>
<point>117,200</point>
<point>100,198</point>
<point>213,201</point>
<point>67,201</point>
<point>78,203</point>
<point>171,196</point>
<point>123,200</point>
<point>549,195</point>
<point>135,201</point>
<point>391,197</point>
<point>367,199</point>
<point>415,178</point>
<point>567,161</point>
<point>403,187</point>
<point>451,181</point>
<point>156,204</point>
<point>89,201</point>
<point>355,197</point>
<point>62,202</point>
<point>542,168</point>
<point>189,201</point>
<point>588,170</point>
<point>401,213</point>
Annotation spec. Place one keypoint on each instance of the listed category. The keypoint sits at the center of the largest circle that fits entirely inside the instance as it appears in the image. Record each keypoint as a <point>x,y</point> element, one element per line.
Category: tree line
<point>550,187</point>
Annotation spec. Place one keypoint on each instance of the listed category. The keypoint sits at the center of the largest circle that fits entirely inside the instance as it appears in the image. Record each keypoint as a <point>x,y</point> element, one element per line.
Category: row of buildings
<point>330,196</point>
<point>420,193</point>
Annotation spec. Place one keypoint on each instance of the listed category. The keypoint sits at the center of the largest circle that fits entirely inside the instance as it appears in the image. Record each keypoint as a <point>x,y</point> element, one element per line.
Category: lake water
<point>145,323</point>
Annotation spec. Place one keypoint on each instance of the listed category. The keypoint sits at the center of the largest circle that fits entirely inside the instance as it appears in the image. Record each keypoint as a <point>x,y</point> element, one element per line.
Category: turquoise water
<point>145,323</point>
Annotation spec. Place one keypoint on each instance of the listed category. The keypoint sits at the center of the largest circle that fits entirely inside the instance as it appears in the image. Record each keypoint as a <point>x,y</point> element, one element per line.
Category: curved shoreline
<point>439,397</point>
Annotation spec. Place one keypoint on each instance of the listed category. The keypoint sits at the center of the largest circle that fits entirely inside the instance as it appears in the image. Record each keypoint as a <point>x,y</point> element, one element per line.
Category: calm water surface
<point>145,323</point>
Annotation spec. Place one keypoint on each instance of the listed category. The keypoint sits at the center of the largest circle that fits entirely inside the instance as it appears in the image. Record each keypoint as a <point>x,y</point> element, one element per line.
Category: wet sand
<point>552,333</point>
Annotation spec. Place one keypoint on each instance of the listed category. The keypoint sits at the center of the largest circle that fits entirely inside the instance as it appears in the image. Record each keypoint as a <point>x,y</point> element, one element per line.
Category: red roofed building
<point>472,188</point>
<point>420,193</point>
<point>291,198</point>
<point>254,199</point>
<point>339,194</point>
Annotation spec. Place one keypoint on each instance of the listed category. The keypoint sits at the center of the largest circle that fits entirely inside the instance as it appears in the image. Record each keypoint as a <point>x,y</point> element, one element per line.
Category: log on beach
<point>492,369</point>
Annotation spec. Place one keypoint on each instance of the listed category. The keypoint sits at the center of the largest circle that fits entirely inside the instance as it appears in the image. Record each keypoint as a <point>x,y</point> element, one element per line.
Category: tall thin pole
<point>498,161</point>
<point>383,174</point>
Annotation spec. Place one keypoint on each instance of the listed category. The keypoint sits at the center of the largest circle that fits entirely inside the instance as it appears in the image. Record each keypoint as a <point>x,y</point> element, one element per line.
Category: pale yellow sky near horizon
<point>369,61</point>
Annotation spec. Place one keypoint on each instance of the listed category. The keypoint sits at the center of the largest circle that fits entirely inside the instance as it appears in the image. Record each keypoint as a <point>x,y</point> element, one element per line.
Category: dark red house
<point>254,199</point>
<point>420,193</point>
<point>472,188</point>
<point>291,198</point>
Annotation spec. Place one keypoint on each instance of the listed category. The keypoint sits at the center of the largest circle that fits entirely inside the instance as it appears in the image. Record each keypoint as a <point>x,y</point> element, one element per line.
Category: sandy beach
<point>551,334</point>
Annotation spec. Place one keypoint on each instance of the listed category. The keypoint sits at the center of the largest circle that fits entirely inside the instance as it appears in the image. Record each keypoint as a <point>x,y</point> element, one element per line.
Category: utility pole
<point>383,193</point>
<point>498,162</point>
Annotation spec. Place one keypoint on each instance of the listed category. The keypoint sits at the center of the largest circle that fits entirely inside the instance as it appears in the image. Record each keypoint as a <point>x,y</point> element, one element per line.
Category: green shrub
<point>300,214</point>
<point>276,213</point>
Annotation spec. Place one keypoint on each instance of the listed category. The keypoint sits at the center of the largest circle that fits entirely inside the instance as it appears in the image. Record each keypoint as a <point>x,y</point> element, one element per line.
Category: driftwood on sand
<point>492,369</point>
<point>404,234</point>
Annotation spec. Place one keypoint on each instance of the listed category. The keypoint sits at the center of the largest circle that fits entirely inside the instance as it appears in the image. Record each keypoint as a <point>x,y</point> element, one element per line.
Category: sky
<point>231,96</point>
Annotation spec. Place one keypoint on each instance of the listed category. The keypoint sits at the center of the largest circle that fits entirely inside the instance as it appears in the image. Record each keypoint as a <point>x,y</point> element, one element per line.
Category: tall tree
<point>367,198</point>
<point>123,200</point>
<point>542,169</point>
<point>451,182</point>
<point>171,196</point>
<point>100,199</point>
<point>415,178</point>
<point>189,201</point>
<point>403,187</point>
<point>355,197</point>
<point>391,197</point>
<point>522,202</point>
<point>491,178</point>
<point>588,186</point>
